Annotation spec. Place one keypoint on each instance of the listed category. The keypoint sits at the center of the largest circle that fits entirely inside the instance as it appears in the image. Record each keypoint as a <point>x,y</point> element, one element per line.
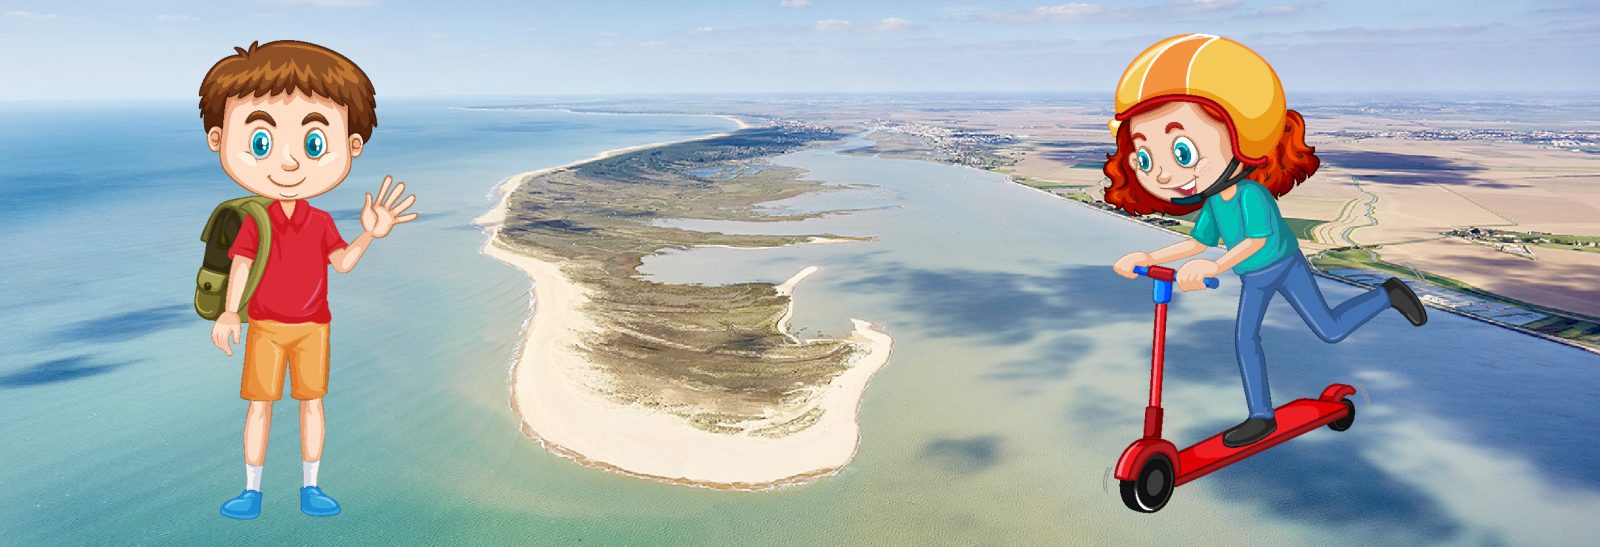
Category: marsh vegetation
<point>711,354</point>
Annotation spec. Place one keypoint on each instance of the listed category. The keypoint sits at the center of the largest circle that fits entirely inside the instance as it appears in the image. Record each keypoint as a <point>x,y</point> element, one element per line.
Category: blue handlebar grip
<point>1211,282</point>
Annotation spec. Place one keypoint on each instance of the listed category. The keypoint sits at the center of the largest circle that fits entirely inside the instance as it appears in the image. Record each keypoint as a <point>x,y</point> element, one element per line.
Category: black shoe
<point>1252,430</point>
<point>1401,298</point>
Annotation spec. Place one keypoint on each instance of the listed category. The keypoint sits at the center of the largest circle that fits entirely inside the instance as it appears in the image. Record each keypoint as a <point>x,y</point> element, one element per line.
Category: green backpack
<point>211,284</point>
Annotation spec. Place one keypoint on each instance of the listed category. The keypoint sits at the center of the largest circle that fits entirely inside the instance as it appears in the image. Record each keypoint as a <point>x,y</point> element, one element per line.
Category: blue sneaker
<point>245,507</point>
<point>316,503</point>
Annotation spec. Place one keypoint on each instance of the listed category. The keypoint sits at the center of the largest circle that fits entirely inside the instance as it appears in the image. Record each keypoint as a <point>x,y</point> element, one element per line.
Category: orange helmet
<point>1210,70</point>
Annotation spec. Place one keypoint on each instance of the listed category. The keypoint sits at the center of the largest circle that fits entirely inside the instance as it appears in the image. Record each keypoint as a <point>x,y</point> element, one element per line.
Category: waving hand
<point>380,215</point>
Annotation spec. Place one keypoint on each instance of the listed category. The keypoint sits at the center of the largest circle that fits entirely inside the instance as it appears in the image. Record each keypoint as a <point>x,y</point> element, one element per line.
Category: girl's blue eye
<point>315,144</point>
<point>261,143</point>
<point>1183,151</point>
<point>1144,160</point>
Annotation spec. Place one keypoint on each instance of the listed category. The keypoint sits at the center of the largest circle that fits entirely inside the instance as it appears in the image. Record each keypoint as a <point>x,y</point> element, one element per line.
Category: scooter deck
<point>1294,419</point>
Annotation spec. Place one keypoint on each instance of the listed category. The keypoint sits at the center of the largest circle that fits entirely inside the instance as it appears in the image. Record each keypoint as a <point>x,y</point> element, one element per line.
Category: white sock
<point>310,471</point>
<point>252,477</point>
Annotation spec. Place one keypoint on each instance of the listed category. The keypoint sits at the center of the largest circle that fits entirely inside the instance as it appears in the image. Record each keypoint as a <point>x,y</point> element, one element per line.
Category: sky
<point>157,49</point>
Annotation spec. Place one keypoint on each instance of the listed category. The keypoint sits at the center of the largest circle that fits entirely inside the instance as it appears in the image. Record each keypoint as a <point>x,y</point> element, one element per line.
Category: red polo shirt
<point>294,287</point>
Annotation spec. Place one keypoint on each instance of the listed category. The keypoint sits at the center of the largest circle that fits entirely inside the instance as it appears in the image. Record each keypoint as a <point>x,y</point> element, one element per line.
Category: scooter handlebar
<point>1164,273</point>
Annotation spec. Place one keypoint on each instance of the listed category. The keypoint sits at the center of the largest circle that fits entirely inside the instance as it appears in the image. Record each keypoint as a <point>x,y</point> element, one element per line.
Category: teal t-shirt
<point>1252,213</point>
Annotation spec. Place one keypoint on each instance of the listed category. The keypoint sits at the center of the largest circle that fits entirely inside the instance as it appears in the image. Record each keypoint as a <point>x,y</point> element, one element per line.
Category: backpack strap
<point>256,208</point>
<point>219,233</point>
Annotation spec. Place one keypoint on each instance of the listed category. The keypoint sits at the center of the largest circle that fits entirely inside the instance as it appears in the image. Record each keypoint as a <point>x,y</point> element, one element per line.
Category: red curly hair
<point>1291,163</point>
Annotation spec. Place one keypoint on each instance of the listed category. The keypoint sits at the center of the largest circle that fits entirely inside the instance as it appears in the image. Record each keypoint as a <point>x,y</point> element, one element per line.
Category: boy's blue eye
<point>1144,160</point>
<point>261,143</point>
<point>315,144</point>
<point>1183,151</point>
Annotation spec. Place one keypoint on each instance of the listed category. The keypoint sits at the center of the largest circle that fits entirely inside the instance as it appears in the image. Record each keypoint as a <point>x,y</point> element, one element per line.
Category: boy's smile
<point>285,146</point>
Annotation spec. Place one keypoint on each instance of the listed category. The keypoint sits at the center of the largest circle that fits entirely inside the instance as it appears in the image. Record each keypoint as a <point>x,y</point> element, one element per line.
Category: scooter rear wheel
<point>1150,491</point>
<point>1349,418</point>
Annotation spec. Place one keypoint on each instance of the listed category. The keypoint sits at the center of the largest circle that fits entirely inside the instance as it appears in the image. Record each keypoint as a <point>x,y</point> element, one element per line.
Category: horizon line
<point>664,94</point>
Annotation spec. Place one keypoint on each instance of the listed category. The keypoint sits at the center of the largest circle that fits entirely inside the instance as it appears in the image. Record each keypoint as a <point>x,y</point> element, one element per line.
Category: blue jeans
<point>1292,278</point>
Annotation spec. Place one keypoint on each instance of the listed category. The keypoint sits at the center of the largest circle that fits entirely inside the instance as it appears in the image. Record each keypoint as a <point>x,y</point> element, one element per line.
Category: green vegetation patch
<point>1539,239</point>
<point>1302,227</point>
<point>1560,323</point>
<point>1041,183</point>
<point>1569,328</point>
<point>1355,258</point>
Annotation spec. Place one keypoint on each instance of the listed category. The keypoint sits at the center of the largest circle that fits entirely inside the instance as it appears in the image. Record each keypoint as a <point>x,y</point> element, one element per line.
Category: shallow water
<point>1018,372</point>
<point>1021,367</point>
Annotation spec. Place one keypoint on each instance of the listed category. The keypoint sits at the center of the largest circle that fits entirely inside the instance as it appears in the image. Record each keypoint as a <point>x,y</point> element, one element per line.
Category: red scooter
<point>1152,467</point>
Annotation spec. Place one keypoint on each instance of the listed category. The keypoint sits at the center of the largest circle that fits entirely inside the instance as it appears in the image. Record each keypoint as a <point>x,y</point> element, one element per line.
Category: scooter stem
<point>1161,294</point>
<point>1152,413</point>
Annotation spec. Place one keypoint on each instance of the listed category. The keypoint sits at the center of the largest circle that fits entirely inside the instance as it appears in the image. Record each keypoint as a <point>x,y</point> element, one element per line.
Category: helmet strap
<point>1223,182</point>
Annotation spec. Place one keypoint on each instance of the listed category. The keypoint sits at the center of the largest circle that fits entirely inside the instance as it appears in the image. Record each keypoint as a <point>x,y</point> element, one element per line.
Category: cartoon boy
<point>287,118</point>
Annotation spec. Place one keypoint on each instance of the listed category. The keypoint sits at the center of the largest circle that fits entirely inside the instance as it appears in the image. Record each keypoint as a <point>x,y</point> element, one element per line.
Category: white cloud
<point>653,43</point>
<point>330,3</point>
<point>1075,11</point>
<point>828,25</point>
<point>891,24</point>
<point>175,18</point>
<point>1207,5</point>
<point>31,15</point>
<point>703,30</point>
<point>1083,11</point>
<point>1287,9</point>
<point>795,3</point>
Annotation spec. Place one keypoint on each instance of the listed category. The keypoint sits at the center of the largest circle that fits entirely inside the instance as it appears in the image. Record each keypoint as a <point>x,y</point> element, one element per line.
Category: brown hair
<point>1289,164</point>
<point>285,67</point>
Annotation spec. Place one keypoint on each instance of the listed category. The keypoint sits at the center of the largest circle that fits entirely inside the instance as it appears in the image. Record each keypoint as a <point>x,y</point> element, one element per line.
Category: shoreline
<point>550,389</point>
<point>787,289</point>
<point>491,219</point>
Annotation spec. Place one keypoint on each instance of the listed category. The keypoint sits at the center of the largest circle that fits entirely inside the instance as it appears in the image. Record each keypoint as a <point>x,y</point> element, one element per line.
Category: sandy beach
<point>554,392</point>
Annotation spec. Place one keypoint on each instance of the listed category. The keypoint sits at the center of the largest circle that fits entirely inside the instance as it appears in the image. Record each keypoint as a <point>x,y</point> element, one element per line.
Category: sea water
<point>1019,370</point>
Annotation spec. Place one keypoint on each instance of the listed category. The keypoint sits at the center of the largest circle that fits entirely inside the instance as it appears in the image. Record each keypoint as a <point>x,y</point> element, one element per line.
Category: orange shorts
<point>270,345</point>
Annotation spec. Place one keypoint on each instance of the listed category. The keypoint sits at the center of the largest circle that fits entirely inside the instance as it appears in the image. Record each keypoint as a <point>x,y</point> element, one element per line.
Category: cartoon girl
<point>1201,125</point>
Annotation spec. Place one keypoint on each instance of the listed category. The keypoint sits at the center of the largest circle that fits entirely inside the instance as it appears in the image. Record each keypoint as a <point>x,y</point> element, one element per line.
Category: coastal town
<point>952,144</point>
<point>1578,141</point>
<point>1522,243</point>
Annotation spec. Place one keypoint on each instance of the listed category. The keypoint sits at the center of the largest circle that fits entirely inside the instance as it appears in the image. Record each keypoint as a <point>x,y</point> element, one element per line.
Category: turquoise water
<point>1018,372</point>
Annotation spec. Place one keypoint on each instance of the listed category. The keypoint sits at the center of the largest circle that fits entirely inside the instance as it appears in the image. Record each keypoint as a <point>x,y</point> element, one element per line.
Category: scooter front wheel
<point>1150,491</point>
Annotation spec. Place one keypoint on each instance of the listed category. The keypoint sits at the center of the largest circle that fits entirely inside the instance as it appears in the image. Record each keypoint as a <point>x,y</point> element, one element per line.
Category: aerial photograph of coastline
<point>799,272</point>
